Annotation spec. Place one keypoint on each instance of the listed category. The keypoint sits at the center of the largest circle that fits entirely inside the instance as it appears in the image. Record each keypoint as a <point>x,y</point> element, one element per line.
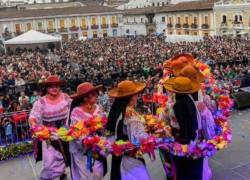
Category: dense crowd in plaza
<point>109,60</point>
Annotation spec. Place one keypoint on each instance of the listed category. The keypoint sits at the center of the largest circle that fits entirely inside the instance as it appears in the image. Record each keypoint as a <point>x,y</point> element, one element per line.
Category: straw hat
<point>85,88</point>
<point>192,73</point>
<point>178,62</point>
<point>126,88</point>
<point>53,80</point>
<point>182,85</point>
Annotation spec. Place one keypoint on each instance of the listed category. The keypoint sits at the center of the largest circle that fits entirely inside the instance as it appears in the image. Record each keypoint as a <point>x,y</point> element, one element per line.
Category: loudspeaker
<point>241,99</point>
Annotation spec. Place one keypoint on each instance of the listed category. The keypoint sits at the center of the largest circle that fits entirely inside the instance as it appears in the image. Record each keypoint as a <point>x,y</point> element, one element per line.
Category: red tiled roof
<point>183,6</point>
<point>189,6</point>
<point>14,13</point>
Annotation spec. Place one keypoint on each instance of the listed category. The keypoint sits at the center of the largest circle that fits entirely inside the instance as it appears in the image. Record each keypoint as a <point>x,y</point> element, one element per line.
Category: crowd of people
<point>109,60</point>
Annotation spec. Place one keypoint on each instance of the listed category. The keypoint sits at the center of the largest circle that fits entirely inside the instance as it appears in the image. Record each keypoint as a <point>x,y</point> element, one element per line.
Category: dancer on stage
<point>51,110</point>
<point>83,108</point>
<point>184,65</point>
<point>185,124</point>
<point>127,124</point>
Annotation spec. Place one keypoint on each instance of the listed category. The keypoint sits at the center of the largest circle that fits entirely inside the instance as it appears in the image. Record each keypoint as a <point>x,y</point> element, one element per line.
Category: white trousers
<point>53,163</point>
<point>133,169</point>
<point>79,168</point>
<point>207,173</point>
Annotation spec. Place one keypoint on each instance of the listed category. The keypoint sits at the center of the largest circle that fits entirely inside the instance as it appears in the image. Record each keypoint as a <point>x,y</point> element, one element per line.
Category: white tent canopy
<point>180,38</point>
<point>32,37</point>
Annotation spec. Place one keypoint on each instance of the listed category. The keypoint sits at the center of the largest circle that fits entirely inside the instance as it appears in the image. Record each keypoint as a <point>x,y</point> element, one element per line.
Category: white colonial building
<point>86,21</point>
<point>232,17</point>
<point>10,3</point>
<point>186,18</point>
<point>143,4</point>
<point>201,18</point>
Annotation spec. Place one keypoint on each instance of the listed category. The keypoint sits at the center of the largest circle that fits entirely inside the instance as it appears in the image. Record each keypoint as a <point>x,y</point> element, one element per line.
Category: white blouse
<point>134,123</point>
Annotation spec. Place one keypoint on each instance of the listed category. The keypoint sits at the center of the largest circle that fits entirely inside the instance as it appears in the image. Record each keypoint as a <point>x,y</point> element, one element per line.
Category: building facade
<point>232,17</point>
<point>71,22</point>
<point>12,3</point>
<point>186,18</point>
<point>191,18</point>
<point>139,21</point>
<point>143,4</point>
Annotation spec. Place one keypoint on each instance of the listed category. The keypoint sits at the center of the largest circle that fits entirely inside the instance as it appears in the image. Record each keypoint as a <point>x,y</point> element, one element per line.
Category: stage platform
<point>230,164</point>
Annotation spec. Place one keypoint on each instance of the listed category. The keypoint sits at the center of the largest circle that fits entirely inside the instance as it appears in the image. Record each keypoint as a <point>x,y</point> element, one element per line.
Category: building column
<point>78,24</point>
<point>214,24</point>
<point>12,29</point>
<point>99,23</point>
<point>200,24</point>
<point>56,24</point>
<point>67,27</point>
<point>109,24</point>
<point>174,22</point>
<point>33,24</point>
<point>90,34</point>
<point>45,25</point>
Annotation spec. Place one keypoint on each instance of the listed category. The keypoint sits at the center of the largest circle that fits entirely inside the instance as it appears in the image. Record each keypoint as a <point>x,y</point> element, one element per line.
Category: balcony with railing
<point>114,25</point>
<point>63,29</point>
<point>41,30</point>
<point>185,26</point>
<point>94,26</point>
<point>51,30</point>
<point>204,26</point>
<point>224,25</point>
<point>194,26</point>
<point>7,35</point>
<point>170,25</point>
<point>104,26</point>
<point>178,25</point>
<point>238,25</point>
<point>84,28</point>
<point>134,23</point>
<point>17,33</point>
<point>74,28</point>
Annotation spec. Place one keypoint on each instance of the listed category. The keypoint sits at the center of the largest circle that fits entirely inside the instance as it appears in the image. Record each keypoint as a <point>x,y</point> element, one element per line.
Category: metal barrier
<point>14,127</point>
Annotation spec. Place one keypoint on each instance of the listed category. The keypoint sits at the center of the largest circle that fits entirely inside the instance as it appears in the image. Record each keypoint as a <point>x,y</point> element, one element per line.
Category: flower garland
<point>221,113</point>
<point>159,132</point>
<point>163,140</point>
<point>157,127</point>
<point>80,129</point>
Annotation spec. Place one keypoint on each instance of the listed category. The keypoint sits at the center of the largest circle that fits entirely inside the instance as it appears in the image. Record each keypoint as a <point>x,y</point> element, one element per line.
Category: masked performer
<point>126,123</point>
<point>51,110</point>
<point>85,100</point>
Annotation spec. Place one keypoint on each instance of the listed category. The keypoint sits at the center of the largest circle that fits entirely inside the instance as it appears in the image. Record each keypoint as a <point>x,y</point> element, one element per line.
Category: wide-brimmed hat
<point>177,63</point>
<point>126,88</point>
<point>85,88</point>
<point>192,73</point>
<point>53,80</point>
<point>182,85</point>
